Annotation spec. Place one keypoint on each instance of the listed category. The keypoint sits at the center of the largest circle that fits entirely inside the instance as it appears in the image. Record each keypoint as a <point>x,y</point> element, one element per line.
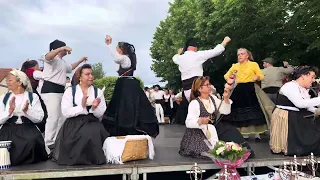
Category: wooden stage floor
<point>166,159</point>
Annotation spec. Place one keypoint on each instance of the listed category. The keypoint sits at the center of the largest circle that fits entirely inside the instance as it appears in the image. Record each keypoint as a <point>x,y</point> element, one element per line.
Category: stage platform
<point>166,159</point>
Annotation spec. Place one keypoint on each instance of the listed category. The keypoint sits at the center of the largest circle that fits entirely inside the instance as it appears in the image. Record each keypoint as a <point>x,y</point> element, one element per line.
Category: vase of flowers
<point>230,155</point>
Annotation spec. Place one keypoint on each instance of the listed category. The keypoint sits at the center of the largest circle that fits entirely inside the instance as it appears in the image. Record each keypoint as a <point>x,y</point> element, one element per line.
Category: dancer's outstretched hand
<point>225,41</point>
<point>84,59</point>
<point>108,40</point>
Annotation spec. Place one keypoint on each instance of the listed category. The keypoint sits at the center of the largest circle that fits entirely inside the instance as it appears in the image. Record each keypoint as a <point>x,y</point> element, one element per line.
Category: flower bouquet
<point>228,154</point>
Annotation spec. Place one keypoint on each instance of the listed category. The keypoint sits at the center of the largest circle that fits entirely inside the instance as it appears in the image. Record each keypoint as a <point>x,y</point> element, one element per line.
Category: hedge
<point>109,84</point>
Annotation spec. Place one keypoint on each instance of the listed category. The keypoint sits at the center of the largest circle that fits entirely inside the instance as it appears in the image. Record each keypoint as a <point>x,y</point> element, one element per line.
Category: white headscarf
<point>23,78</point>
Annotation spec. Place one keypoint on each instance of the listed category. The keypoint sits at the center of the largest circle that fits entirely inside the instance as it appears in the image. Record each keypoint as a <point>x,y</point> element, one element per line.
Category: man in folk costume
<point>54,81</point>
<point>190,65</point>
<point>157,97</point>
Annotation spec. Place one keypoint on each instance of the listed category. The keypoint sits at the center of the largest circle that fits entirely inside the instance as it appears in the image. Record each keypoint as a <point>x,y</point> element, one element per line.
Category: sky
<point>28,26</point>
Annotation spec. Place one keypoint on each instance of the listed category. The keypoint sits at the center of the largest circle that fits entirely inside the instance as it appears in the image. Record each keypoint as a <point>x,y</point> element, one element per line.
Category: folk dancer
<point>54,75</point>
<point>246,111</point>
<point>157,97</point>
<point>203,109</point>
<point>81,137</point>
<point>190,61</point>
<point>129,111</point>
<point>32,70</point>
<point>273,77</point>
<point>20,110</point>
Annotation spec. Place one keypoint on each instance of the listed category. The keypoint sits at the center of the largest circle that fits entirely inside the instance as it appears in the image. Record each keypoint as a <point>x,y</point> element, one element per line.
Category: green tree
<point>98,72</point>
<point>285,30</point>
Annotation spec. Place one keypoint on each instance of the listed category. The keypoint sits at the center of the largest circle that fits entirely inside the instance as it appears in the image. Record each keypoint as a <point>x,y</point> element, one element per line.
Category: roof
<point>4,72</point>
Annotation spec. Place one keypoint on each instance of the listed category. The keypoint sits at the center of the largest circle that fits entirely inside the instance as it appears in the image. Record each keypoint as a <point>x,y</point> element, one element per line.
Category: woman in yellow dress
<point>246,113</point>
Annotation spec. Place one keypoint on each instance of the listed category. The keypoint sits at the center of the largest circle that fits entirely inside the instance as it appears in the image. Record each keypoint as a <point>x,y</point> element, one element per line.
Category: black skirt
<point>129,111</point>
<point>80,141</point>
<point>182,111</point>
<point>303,134</point>
<point>245,110</point>
<point>27,145</point>
<point>192,144</point>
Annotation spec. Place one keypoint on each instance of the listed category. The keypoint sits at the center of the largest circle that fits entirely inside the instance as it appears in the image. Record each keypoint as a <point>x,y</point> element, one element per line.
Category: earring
<point>80,82</point>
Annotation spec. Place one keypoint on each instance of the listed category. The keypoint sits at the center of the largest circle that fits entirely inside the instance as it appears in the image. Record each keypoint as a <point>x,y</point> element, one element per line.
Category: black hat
<point>191,42</point>
<point>56,44</point>
<point>269,60</point>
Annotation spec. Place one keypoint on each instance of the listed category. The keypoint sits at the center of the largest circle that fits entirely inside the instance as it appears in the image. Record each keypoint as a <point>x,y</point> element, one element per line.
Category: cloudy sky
<point>28,26</point>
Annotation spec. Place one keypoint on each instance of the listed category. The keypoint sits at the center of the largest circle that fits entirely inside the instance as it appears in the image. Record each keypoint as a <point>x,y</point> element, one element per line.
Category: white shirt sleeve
<point>207,54</point>
<point>4,113</point>
<point>123,60</point>
<point>37,75</point>
<point>43,58</point>
<point>193,115</point>
<point>291,91</point>
<point>35,112</point>
<point>175,58</point>
<point>67,108</point>
<point>224,108</point>
<point>68,68</point>
<point>99,111</point>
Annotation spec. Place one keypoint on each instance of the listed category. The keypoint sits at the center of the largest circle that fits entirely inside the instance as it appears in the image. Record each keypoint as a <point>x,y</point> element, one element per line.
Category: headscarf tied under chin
<point>23,78</point>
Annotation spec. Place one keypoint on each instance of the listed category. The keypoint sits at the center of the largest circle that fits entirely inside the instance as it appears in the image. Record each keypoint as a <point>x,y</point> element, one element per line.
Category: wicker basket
<point>135,149</point>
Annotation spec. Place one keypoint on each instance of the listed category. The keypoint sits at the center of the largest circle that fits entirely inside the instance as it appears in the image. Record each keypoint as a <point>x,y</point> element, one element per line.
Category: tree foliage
<point>98,72</point>
<point>284,29</point>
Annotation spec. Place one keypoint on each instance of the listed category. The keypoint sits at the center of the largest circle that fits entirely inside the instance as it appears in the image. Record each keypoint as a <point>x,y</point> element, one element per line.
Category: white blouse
<point>194,111</point>
<point>194,115</point>
<point>34,113</point>
<point>299,97</point>
<point>69,111</point>
<point>190,63</point>
<point>157,95</point>
<point>123,60</point>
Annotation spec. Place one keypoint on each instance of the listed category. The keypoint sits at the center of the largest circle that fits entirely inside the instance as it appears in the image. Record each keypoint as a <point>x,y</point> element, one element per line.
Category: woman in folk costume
<point>129,111</point>
<point>294,129</point>
<point>190,61</point>
<point>20,110</point>
<point>166,104</point>
<point>203,109</point>
<point>81,137</point>
<point>157,97</point>
<point>31,68</point>
<point>246,113</point>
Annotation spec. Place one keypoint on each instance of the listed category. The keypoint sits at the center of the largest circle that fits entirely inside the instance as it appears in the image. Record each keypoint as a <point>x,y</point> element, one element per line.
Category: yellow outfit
<point>245,72</point>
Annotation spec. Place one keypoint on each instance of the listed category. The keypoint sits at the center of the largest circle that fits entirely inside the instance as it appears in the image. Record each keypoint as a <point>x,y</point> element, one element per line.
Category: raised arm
<point>207,54</point>
<point>52,54</point>
<point>225,107</point>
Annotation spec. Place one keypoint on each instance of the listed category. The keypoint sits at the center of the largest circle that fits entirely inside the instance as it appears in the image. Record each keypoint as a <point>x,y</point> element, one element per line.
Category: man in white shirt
<point>54,80</point>
<point>190,65</point>
<point>157,97</point>
<point>190,62</point>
